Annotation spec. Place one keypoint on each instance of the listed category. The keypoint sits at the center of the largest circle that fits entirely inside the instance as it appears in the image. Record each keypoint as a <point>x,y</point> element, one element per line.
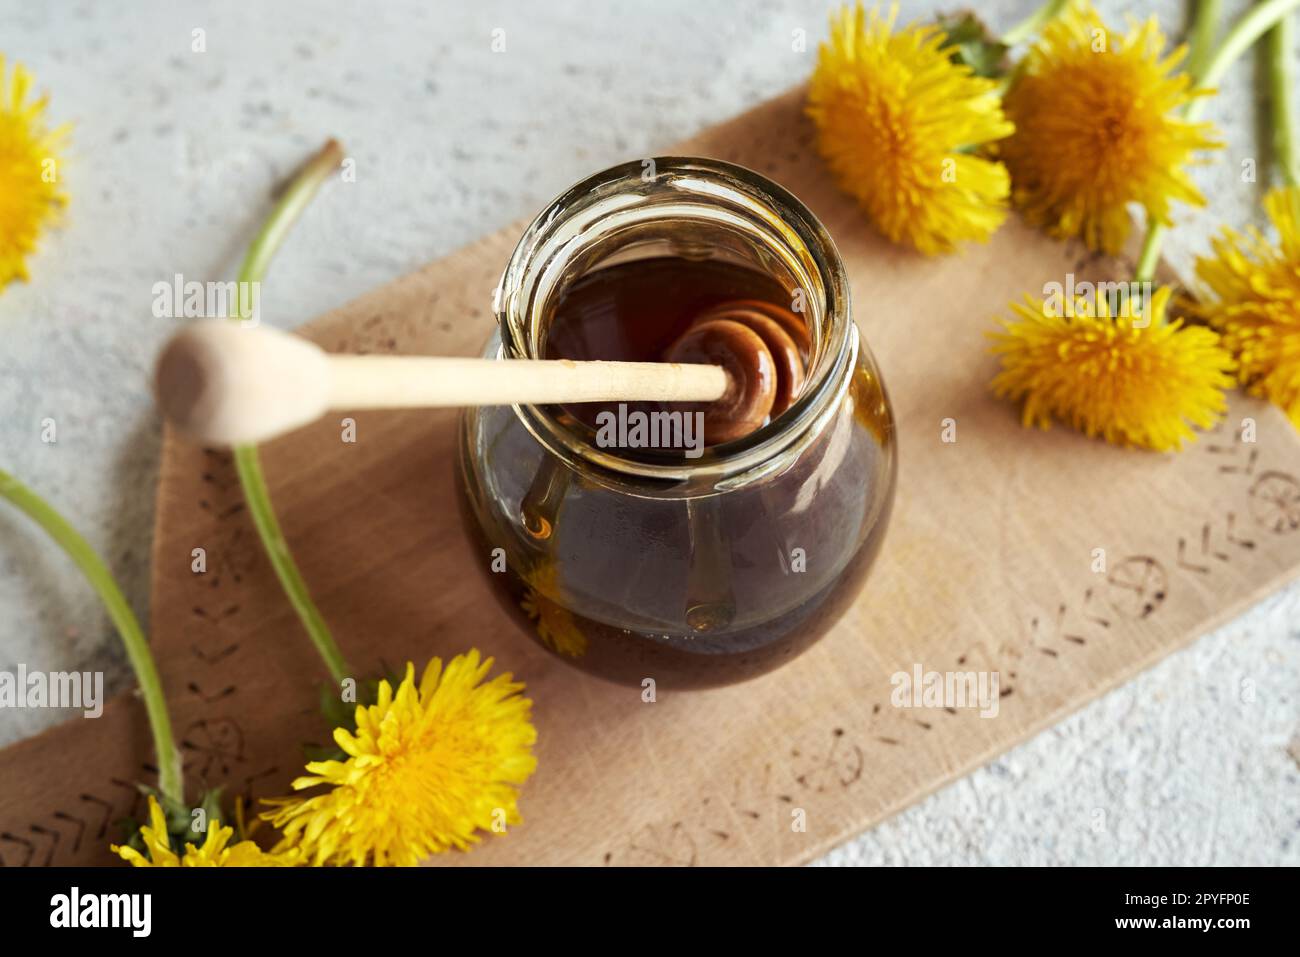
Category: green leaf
<point>968,41</point>
<point>323,752</point>
<point>343,714</point>
<point>179,818</point>
<point>337,712</point>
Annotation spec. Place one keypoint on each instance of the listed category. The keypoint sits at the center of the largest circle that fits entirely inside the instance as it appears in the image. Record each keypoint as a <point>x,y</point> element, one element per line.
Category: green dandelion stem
<point>290,206</point>
<point>1150,254</point>
<point>1200,37</point>
<point>1253,25</point>
<point>170,780</point>
<point>1033,23</point>
<point>1282,84</point>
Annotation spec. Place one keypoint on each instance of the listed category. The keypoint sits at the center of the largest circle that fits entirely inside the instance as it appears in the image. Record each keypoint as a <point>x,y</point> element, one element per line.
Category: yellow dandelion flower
<point>555,624</point>
<point>215,851</point>
<point>30,194</point>
<point>1256,302</point>
<point>1096,129</point>
<point>428,767</point>
<point>899,123</point>
<point>1132,383</point>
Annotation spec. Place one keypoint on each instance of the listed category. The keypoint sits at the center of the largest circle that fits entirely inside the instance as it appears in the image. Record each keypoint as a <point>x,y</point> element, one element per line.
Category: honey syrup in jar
<point>694,544</point>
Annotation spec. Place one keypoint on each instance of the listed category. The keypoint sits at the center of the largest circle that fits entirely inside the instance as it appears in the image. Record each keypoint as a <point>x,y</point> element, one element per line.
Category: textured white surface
<point>172,158</point>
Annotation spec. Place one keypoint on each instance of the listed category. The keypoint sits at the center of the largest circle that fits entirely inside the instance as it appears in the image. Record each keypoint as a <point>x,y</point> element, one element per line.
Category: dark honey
<point>635,312</point>
<point>632,582</point>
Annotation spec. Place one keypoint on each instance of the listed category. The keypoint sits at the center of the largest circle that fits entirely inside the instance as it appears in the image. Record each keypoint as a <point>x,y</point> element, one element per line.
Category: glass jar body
<point>629,581</point>
<point>691,572</point>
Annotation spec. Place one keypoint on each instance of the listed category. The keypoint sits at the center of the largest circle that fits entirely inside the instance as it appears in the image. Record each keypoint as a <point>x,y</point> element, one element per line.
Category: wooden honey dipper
<point>762,346</point>
<point>225,383</point>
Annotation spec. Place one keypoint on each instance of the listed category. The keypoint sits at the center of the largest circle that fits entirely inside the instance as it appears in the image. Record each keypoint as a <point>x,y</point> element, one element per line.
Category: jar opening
<point>693,209</point>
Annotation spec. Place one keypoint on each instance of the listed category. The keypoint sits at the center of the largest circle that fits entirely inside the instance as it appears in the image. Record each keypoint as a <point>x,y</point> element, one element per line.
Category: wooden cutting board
<point>989,565</point>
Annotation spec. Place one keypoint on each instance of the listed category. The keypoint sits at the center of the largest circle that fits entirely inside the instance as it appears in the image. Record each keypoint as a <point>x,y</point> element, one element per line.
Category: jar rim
<point>550,236</point>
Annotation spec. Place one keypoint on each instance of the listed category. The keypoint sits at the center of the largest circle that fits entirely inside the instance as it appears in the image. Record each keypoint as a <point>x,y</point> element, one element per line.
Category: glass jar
<point>690,572</point>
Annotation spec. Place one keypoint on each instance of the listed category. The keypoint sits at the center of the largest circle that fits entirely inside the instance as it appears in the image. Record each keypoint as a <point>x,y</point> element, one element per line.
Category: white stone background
<point>172,157</point>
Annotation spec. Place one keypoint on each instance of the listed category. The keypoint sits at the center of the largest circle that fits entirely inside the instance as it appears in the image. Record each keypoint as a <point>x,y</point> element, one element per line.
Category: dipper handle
<point>229,384</point>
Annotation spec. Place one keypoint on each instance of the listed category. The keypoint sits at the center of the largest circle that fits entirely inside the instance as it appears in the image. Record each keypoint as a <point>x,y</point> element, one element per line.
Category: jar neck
<point>691,208</point>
